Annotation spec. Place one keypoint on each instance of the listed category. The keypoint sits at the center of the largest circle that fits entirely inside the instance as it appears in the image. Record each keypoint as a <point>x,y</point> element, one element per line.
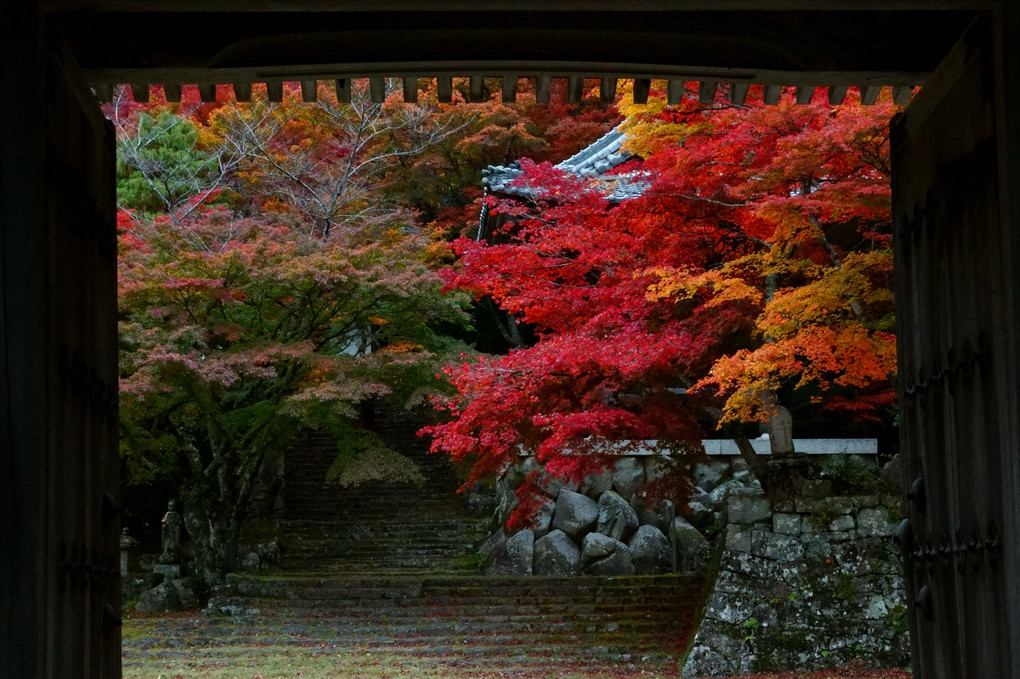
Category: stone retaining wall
<point>600,528</point>
<point>611,505</point>
<point>804,585</point>
<point>801,584</point>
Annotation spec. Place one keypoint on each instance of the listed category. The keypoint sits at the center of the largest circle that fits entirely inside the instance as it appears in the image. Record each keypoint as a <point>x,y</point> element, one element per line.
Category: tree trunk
<point>215,538</point>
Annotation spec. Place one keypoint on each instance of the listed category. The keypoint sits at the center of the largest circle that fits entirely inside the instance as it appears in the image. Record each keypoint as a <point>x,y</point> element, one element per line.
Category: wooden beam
<point>539,7</point>
<point>869,94</point>
<point>641,87</point>
<point>772,94</point>
<point>837,94</point>
<point>575,89</point>
<point>410,90</point>
<point>542,87</point>
<point>242,92</point>
<point>901,95</point>
<point>274,90</point>
<point>140,92</point>
<point>805,93</point>
<point>309,91</point>
<point>377,90</point>
<point>607,91</point>
<point>444,87</point>
<point>706,92</point>
<point>207,92</point>
<point>738,93</point>
<point>476,89</point>
<point>172,91</point>
<point>104,92</point>
<point>509,89</point>
<point>343,90</point>
<point>675,91</point>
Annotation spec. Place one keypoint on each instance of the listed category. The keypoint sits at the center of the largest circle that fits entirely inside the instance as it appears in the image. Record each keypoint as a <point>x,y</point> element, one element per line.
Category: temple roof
<point>594,161</point>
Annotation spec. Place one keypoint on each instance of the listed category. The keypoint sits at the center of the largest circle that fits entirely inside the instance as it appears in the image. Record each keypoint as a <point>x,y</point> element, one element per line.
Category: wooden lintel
<point>274,90</point>
<point>377,90</point>
<point>410,90</point>
<point>476,89</point>
<point>172,91</point>
<point>575,89</point>
<point>641,87</point>
<point>607,91</point>
<point>444,87</point>
<point>675,91</point>
<point>738,93</point>
<point>509,89</point>
<point>140,92</point>
<point>242,92</point>
<point>772,94</point>
<point>309,91</point>
<point>104,92</point>
<point>706,92</point>
<point>837,93</point>
<point>207,92</point>
<point>805,93</point>
<point>343,90</point>
<point>542,87</point>
<point>901,95</point>
<point>869,94</point>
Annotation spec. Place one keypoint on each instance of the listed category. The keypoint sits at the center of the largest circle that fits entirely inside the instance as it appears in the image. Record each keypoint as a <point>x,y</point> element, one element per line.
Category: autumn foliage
<point>278,272</point>
<point>757,263</point>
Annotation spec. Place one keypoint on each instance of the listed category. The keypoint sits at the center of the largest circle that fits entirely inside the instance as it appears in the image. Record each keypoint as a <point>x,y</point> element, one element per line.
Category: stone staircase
<point>475,620</point>
<point>392,568</point>
<point>380,527</point>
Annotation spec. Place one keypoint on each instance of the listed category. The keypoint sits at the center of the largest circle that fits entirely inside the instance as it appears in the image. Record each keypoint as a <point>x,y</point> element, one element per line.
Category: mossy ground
<point>150,654</point>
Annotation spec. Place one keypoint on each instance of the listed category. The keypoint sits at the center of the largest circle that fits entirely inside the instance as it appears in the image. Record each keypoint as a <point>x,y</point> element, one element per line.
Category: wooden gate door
<point>59,546</point>
<point>955,297</point>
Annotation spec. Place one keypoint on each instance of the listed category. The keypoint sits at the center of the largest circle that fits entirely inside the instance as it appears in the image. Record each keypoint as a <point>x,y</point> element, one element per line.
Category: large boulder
<point>166,597</point>
<point>650,551</point>
<point>617,518</point>
<point>507,504</point>
<point>628,476</point>
<point>708,475</point>
<point>576,514</point>
<point>160,599</point>
<point>699,515</point>
<point>516,557</point>
<point>602,555</point>
<point>655,513</point>
<point>492,545</point>
<point>543,519</point>
<point>692,549</point>
<point>554,485</point>
<point>594,486</point>
<point>556,554</point>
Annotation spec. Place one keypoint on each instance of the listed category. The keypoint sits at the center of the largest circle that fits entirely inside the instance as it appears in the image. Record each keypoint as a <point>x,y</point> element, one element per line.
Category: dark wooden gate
<point>955,302</point>
<point>59,547</point>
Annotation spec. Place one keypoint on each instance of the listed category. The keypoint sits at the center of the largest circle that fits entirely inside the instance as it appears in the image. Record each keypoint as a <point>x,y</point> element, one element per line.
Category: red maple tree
<point>757,264</point>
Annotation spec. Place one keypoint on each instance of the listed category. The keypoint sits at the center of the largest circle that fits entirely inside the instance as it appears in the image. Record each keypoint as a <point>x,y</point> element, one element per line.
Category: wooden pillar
<point>59,590</point>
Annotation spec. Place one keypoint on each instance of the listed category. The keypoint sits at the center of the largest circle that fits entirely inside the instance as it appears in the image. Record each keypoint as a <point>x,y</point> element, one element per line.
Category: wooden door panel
<point>956,361</point>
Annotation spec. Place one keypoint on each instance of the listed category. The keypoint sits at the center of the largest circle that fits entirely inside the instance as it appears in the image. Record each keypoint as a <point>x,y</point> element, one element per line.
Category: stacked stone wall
<point>799,584</point>
<point>802,585</point>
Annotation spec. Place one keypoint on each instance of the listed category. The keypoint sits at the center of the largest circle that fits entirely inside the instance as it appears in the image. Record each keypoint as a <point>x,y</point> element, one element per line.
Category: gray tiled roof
<point>591,162</point>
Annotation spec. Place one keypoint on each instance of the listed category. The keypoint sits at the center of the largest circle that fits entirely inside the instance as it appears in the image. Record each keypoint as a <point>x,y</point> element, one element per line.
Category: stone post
<point>127,543</point>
